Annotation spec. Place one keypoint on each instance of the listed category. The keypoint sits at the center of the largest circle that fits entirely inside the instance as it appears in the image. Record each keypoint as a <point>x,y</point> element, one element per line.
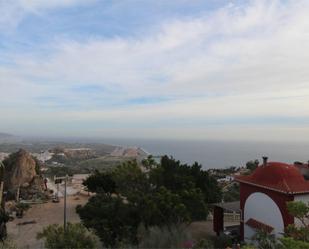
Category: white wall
<point>262,208</point>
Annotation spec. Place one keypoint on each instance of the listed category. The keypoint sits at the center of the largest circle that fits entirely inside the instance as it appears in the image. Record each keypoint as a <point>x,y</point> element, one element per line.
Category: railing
<point>228,217</point>
<point>231,217</point>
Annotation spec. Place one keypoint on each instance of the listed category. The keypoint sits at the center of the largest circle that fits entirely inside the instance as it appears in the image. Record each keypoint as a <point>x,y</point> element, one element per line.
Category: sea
<point>220,154</point>
<point>208,153</point>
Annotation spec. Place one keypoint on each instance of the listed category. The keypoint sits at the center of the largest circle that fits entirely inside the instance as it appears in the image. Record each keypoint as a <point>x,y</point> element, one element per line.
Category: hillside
<point>8,138</point>
<point>68,158</point>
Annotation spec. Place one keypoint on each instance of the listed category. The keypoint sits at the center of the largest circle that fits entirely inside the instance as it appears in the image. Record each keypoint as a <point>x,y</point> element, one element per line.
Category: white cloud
<point>12,12</point>
<point>240,61</point>
<point>34,5</point>
<point>233,49</point>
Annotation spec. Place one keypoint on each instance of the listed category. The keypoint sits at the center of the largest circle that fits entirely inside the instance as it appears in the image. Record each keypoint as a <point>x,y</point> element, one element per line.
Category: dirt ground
<point>43,215</point>
<point>201,229</point>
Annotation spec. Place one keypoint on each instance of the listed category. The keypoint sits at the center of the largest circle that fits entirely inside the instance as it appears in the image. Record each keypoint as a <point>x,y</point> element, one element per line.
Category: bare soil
<point>40,216</point>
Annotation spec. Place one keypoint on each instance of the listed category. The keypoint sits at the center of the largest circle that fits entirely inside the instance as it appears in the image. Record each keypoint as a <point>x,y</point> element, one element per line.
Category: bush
<point>7,244</point>
<point>223,241</point>
<point>23,206</point>
<point>289,242</point>
<point>204,243</point>
<point>76,236</point>
<point>164,237</point>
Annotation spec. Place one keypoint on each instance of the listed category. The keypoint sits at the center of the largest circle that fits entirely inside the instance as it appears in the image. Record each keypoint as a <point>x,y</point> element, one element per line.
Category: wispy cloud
<point>230,67</point>
<point>13,12</point>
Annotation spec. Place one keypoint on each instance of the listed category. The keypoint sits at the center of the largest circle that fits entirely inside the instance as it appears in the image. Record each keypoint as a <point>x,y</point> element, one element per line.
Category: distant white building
<point>226,179</point>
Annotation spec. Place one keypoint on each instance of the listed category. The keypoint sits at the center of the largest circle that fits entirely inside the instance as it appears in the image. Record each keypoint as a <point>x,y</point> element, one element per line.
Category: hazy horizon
<point>178,69</point>
<point>209,153</point>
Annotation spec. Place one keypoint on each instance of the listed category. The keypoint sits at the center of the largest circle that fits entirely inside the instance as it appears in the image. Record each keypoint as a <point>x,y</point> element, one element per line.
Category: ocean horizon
<point>220,154</point>
<point>208,153</point>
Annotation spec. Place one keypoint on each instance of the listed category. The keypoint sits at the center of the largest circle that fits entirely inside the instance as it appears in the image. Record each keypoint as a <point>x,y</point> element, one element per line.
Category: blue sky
<point>186,69</point>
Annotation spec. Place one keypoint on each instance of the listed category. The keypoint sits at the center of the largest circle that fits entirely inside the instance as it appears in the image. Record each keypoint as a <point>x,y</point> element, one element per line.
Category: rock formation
<point>20,170</point>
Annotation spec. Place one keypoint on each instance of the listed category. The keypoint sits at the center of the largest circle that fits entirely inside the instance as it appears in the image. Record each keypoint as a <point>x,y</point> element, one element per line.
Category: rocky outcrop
<point>20,170</point>
<point>133,152</point>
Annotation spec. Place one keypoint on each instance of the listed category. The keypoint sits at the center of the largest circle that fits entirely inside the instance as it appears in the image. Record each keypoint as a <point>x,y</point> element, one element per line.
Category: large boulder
<point>20,170</point>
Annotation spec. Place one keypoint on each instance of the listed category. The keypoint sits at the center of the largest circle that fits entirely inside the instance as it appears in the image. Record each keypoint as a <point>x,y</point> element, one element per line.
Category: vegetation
<point>23,206</point>
<point>76,236</point>
<point>288,242</point>
<point>10,161</point>
<point>204,243</point>
<point>165,237</point>
<point>38,166</point>
<point>231,192</point>
<point>264,240</point>
<point>157,195</point>
<point>252,165</point>
<point>105,163</point>
<point>4,218</point>
<point>100,182</point>
<point>300,211</point>
<point>7,244</point>
<point>59,171</point>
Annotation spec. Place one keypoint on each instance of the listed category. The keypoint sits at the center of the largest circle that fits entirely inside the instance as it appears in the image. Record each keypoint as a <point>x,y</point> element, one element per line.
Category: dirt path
<point>43,215</point>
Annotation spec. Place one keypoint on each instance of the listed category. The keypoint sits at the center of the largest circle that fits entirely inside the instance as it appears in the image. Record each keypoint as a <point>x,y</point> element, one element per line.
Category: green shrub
<point>76,236</point>
<point>164,237</point>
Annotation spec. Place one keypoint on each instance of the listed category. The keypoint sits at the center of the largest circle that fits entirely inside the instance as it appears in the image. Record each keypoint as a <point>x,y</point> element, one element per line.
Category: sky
<point>173,69</point>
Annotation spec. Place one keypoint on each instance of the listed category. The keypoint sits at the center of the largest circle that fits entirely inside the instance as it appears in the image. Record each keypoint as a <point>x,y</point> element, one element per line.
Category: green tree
<point>149,163</point>
<point>231,192</point>
<point>164,194</point>
<point>300,211</point>
<point>76,236</point>
<point>163,207</point>
<point>100,182</point>
<point>252,165</point>
<point>112,218</point>
<point>176,176</point>
<point>131,181</point>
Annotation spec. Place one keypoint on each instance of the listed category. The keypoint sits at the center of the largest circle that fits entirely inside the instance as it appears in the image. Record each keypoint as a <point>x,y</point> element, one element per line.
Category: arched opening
<point>263,211</point>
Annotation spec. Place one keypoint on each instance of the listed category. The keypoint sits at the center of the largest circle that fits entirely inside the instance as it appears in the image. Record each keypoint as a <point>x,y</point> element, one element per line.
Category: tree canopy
<point>154,194</point>
<point>252,165</point>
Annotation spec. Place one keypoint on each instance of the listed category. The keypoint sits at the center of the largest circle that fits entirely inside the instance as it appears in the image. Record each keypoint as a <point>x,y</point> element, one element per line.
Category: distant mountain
<point>9,138</point>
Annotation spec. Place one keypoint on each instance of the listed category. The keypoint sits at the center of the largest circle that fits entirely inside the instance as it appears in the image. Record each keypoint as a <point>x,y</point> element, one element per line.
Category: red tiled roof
<point>259,225</point>
<point>279,177</point>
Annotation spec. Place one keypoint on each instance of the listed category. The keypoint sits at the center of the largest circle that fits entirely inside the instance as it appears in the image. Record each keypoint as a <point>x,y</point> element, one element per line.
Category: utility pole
<point>57,181</point>
<point>65,204</point>
<point>3,232</point>
<point>1,184</point>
